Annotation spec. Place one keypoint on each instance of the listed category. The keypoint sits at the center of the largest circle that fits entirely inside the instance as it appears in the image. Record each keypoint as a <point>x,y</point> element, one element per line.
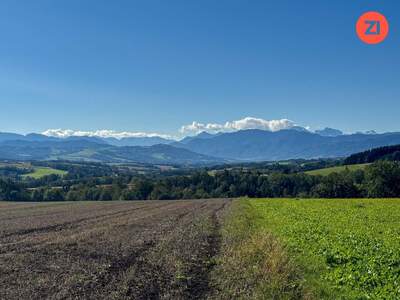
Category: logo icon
<point>372,27</point>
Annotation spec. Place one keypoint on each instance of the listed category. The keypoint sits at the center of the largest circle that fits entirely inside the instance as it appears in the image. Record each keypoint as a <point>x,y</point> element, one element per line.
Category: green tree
<point>382,179</point>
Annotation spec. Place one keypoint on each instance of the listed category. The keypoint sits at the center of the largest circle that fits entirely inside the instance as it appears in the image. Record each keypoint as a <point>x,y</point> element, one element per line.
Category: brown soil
<point>109,250</point>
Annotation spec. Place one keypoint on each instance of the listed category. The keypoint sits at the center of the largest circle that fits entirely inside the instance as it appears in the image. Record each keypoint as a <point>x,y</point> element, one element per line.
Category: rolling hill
<point>369,156</point>
<point>337,169</point>
<point>90,150</point>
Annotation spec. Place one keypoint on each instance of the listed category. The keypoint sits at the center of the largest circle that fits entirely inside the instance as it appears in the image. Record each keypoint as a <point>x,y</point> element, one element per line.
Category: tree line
<point>380,179</point>
<point>382,153</point>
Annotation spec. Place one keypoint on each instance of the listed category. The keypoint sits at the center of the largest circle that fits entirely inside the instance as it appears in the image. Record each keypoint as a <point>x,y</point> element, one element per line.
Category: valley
<point>199,150</point>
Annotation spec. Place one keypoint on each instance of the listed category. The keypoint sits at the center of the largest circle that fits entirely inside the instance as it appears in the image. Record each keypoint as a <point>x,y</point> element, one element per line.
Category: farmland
<point>331,249</point>
<point>327,171</point>
<point>27,169</point>
<point>201,249</point>
<point>108,250</point>
<point>40,172</point>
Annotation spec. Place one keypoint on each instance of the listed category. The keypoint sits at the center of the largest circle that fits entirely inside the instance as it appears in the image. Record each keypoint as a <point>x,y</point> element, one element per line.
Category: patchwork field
<point>113,250</point>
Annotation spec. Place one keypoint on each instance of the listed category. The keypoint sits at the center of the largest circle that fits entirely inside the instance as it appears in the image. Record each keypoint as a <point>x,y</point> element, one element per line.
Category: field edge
<point>253,263</point>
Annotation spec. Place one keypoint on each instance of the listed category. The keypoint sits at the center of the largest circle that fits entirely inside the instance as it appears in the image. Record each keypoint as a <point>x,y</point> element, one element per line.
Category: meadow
<point>337,169</point>
<point>40,172</point>
<point>318,249</point>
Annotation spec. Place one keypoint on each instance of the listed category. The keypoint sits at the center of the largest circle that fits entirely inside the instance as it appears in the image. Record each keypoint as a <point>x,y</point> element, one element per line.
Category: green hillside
<point>40,172</point>
<point>327,171</point>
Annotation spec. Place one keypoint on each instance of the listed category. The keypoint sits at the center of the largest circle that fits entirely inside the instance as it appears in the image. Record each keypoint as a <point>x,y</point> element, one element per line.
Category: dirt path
<point>123,250</point>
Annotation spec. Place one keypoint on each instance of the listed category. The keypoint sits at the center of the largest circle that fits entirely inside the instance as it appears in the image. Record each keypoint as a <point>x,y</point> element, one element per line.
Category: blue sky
<point>157,65</point>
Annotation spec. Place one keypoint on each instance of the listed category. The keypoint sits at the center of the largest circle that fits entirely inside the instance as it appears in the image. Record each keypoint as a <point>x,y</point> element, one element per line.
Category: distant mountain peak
<point>370,132</point>
<point>298,128</point>
<point>329,132</point>
<point>137,141</point>
<point>204,135</point>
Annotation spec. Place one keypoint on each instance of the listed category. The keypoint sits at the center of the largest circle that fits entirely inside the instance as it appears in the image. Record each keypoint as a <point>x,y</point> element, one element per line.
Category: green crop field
<point>44,171</point>
<point>331,249</point>
<point>327,171</point>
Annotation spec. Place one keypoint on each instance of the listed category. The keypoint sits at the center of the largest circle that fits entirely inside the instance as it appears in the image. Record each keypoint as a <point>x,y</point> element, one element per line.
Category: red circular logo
<point>372,27</point>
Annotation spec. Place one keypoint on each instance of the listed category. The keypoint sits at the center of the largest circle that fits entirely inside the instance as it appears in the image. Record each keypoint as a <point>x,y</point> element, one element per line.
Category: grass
<point>326,249</point>
<point>252,263</point>
<point>327,171</point>
<point>40,172</point>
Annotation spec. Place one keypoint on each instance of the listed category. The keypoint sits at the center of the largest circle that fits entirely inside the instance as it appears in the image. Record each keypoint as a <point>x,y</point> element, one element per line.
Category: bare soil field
<point>109,250</point>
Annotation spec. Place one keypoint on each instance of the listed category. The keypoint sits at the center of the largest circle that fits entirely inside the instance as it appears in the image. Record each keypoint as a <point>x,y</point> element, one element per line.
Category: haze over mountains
<point>204,148</point>
<point>257,145</point>
<point>97,150</point>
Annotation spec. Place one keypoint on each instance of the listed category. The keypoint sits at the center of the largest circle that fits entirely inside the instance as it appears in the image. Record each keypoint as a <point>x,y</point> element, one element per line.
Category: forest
<point>379,179</point>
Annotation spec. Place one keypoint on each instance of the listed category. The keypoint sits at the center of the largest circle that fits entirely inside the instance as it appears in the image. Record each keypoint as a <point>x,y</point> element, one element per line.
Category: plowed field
<point>109,250</point>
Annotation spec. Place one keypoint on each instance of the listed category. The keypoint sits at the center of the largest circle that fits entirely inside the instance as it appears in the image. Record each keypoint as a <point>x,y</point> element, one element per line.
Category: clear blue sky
<point>156,65</point>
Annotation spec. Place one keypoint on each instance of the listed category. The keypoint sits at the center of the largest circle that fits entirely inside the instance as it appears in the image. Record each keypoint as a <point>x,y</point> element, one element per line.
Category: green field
<point>313,249</point>
<point>327,171</point>
<point>40,172</point>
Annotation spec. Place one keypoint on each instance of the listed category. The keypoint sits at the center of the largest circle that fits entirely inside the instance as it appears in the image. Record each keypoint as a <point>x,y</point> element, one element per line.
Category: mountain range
<point>128,141</point>
<point>205,148</point>
<point>258,145</point>
<point>90,149</point>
